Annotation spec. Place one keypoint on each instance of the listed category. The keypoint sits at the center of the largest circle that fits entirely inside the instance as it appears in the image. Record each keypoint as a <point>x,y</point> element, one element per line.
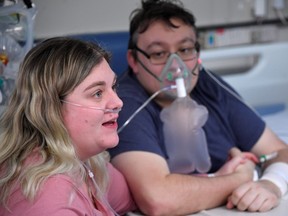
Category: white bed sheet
<point>278,122</point>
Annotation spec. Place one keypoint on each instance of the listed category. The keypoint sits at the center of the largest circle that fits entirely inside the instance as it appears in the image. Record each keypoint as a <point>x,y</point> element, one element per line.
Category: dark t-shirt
<point>230,121</point>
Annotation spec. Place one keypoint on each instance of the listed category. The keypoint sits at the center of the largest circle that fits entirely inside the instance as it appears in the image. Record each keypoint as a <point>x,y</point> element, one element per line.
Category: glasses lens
<point>188,54</point>
<point>156,59</point>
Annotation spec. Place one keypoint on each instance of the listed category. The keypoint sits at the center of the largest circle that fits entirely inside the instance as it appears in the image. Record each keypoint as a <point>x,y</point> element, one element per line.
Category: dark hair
<point>153,10</point>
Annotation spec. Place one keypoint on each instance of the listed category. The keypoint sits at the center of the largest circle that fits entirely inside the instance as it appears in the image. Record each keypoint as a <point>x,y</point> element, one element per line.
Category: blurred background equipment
<point>16,39</point>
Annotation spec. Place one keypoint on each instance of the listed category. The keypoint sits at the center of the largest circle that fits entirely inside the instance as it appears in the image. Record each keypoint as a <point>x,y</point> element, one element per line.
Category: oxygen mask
<point>174,71</point>
<point>185,139</point>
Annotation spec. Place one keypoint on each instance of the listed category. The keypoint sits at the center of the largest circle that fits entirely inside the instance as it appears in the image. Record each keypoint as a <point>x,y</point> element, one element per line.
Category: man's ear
<point>132,62</point>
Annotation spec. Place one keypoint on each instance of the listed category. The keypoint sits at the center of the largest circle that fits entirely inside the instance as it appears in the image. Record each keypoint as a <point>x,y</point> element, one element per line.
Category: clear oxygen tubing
<point>235,95</point>
<point>116,110</point>
<point>145,104</point>
<point>100,194</point>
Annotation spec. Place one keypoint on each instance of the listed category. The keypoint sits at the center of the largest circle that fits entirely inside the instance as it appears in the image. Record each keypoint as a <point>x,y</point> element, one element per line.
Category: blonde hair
<point>33,121</point>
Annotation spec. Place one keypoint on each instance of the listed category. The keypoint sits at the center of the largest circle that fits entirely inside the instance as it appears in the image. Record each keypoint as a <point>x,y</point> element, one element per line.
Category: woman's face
<point>91,130</point>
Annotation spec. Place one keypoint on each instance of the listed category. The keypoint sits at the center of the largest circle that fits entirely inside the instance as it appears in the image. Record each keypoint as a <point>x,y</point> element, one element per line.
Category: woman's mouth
<point>111,123</point>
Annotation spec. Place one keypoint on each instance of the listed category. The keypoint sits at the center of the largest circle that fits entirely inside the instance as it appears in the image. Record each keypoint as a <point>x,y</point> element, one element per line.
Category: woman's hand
<point>236,158</point>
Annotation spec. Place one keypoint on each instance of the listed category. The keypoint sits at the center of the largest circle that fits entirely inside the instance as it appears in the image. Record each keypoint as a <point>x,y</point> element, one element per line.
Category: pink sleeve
<point>119,195</point>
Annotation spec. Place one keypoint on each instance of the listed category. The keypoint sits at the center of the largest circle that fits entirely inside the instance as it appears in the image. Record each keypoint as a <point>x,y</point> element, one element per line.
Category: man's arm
<point>158,192</point>
<point>118,193</point>
<point>262,195</point>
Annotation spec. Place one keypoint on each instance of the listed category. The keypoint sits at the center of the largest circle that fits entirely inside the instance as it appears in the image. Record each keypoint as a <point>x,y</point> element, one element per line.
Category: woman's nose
<point>117,102</point>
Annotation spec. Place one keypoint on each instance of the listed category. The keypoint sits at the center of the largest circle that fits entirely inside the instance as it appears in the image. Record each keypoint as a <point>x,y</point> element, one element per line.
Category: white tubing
<point>181,90</point>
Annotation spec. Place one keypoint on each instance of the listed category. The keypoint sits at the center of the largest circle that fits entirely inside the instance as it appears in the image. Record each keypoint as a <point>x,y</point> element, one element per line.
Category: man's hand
<point>255,196</point>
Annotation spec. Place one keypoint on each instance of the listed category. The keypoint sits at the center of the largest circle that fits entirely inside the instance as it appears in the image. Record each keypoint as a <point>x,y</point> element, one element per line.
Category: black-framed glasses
<point>160,58</point>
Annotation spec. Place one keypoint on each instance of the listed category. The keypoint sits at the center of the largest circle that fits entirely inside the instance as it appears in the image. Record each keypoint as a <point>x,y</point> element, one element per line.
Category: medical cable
<point>98,191</point>
<point>230,91</point>
<point>267,157</point>
<point>145,104</point>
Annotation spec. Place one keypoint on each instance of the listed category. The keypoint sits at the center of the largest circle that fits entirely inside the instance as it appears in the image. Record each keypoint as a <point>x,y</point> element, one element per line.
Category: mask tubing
<point>143,105</point>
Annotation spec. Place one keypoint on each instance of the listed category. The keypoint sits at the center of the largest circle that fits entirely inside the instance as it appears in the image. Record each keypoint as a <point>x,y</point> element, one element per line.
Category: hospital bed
<point>261,78</point>
<point>264,85</point>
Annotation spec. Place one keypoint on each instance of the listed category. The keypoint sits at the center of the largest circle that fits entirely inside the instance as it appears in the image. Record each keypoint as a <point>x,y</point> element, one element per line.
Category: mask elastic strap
<point>147,70</point>
<point>193,70</point>
<point>198,63</point>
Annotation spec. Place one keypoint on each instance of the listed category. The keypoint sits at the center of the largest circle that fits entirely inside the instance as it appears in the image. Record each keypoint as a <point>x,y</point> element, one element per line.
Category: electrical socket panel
<point>239,36</point>
<point>227,37</point>
<point>264,34</point>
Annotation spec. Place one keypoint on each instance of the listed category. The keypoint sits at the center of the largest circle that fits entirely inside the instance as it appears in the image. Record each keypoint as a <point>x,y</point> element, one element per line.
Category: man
<point>159,31</point>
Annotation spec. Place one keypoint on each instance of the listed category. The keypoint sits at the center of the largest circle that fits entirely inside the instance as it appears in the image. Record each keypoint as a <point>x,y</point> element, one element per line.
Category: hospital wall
<point>249,50</point>
<point>62,17</point>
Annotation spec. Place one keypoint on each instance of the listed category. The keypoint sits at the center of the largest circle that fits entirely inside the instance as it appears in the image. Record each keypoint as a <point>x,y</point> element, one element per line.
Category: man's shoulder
<point>129,87</point>
<point>211,84</point>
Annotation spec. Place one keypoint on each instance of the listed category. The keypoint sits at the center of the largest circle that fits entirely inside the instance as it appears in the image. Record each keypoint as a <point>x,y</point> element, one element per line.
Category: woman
<point>61,118</point>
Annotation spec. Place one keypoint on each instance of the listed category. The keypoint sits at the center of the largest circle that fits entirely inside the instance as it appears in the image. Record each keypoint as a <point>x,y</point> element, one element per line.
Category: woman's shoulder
<point>59,193</point>
<point>61,183</point>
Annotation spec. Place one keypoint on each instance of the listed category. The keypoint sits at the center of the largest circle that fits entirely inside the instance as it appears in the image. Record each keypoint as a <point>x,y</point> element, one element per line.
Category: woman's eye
<point>98,94</point>
<point>115,87</point>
